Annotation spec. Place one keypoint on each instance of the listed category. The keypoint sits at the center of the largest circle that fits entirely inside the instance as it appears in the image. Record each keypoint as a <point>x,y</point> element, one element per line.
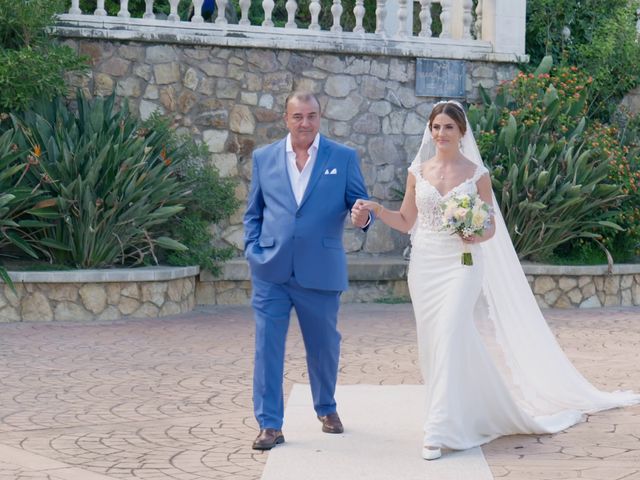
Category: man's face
<point>303,121</point>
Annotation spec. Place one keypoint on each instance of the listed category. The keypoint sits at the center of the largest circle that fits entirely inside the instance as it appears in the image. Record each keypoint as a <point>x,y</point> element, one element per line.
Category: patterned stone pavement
<point>170,398</point>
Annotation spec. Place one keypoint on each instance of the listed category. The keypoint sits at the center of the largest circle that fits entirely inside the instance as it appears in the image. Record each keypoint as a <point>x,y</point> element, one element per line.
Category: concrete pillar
<point>504,25</point>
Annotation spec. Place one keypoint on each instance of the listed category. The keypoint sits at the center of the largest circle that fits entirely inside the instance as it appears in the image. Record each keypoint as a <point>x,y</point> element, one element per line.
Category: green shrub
<point>551,185</point>
<point>602,42</point>
<point>211,200</point>
<point>23,208</point>
<point>114,182</point>
<point>620,146</point>
<point>31,64</point>
<point>192,227</point>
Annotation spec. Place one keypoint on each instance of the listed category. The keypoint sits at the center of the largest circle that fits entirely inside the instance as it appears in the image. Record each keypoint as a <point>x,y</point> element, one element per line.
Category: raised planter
<point>384,279</point>
<point>98,294</point>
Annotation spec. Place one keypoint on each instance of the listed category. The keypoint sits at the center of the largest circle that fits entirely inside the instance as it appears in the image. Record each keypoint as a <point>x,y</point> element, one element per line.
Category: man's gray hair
<point>302,96</point>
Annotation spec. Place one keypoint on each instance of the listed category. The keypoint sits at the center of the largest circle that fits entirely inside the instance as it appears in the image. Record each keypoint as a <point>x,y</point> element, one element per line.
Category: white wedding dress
<point>490,364</point>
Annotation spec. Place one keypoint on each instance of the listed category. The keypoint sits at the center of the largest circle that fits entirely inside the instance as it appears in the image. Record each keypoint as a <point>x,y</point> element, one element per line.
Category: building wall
<point>232,98</point>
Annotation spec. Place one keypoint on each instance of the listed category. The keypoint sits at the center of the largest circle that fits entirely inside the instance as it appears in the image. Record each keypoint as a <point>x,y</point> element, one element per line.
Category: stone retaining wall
<point>98,294</point>
<point>584,287</point>
<point>384,280</point>
<point>232,99</point>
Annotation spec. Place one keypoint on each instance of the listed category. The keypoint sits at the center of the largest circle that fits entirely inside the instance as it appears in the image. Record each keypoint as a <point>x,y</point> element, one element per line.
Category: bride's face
<point>445,132</point>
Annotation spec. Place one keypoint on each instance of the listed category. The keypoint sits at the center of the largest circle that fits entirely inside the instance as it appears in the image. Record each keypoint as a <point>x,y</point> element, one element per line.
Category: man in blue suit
<point>302,188</point>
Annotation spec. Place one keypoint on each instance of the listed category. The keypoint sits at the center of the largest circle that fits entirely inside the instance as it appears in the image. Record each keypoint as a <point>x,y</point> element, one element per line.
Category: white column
<point>124,9</point>
<point>504,25</point>
<point>402,20</point>
<point>75,7</point>
<point>425,19</point>
<point>291,7</point>
<point>478,26</point>
<point>100,11</point>
<point>381,15</point>
<point>197,11</point>
<point>391,21</point>
<point>148,11</point>
<point>173,11</point>
<point>314,9</point>
<point>446,18</point>
<point>336,12</point>
<point>358,13</point>
<point>221,19</point>
<point>244,12</point>
<point>467,18</point>
<point>267,6</point>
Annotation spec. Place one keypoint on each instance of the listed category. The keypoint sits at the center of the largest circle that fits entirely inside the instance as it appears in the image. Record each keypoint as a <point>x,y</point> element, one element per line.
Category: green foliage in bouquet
<point>113,181</point>
<point>551,184</point>
<point>32,64</point>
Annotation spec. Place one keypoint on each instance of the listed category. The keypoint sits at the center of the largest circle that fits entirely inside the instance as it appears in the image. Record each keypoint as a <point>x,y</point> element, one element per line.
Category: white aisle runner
<point>382,440</point>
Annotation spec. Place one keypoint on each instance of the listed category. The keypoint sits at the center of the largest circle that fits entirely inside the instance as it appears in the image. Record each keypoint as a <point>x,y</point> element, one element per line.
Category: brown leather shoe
<point>331,423</point>
<point>267,439</point>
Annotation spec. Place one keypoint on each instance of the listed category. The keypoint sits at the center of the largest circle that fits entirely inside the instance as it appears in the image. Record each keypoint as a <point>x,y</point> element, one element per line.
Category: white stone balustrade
<point>495,30</point>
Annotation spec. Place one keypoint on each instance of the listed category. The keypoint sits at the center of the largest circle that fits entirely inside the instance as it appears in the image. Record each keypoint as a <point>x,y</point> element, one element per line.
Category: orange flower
<point>165,159</point>
<point>37,151</point>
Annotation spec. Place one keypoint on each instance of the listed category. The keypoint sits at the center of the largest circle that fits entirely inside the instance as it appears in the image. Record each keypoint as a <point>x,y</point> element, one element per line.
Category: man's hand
<point>360,214</point>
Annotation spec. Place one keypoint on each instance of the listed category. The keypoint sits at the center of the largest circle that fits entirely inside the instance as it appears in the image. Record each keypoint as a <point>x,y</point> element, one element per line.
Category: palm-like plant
<point>550,184</point>
<point>24,207</point>
<point>114,182</point>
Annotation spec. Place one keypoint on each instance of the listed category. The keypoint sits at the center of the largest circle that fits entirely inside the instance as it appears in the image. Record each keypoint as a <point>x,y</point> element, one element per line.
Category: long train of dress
<point>482,385</point>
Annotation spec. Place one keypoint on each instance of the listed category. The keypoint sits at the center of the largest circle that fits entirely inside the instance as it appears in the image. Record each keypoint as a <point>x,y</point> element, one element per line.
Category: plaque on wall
<point>440,78</point>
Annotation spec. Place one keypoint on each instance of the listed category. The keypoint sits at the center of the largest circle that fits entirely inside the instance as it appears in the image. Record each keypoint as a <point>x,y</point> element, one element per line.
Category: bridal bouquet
<point>465,215</point>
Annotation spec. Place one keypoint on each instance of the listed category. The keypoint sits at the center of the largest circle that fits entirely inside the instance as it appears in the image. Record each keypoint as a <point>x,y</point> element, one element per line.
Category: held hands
<point>359,214</point>
<point>361,209</point>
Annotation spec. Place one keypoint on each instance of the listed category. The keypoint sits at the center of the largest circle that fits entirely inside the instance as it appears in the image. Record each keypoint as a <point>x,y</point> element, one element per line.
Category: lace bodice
<point>429,199</point>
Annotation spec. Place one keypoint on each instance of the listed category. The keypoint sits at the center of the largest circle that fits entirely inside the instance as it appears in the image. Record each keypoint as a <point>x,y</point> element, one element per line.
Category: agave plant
<point>114,182</point>
<point>551,187</point>
<point>24,208</point>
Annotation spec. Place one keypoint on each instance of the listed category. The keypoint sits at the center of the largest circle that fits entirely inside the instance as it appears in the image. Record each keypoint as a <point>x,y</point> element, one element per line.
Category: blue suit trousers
<point>317,312</point>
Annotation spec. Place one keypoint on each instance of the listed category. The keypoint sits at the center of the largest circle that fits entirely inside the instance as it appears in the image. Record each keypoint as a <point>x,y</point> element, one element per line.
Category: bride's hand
<point>368,205</point>
<point>359,214</point>
<point>469,239</point>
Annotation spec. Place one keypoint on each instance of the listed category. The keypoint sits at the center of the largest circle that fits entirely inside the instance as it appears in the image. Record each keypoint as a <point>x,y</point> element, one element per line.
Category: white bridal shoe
<point>431,453</point>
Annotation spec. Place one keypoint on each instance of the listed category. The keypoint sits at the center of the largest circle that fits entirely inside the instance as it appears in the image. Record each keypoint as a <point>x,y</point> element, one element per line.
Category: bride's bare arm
<point>402,219</point>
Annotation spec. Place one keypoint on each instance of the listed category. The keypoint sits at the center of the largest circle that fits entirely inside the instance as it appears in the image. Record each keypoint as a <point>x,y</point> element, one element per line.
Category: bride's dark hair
<point>452,110</point>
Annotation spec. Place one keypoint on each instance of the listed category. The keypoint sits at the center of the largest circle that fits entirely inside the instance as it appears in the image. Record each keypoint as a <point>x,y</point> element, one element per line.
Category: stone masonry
<point>233,100</point>
<point>383,279</point>
<point>98,294</point>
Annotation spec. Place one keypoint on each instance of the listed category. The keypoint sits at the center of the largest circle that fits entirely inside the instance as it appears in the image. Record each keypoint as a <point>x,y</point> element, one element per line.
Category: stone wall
<point>98,295</point>
<point>233,98</point>
<point>585,287</point>
<point>383,279</point>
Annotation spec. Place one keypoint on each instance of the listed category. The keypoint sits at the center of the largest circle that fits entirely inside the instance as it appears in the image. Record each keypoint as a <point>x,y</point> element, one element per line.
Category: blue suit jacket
<point>283,239</point>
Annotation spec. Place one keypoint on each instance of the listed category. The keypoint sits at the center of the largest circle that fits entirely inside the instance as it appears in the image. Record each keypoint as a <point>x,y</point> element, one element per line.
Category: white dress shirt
<point>300,179</point>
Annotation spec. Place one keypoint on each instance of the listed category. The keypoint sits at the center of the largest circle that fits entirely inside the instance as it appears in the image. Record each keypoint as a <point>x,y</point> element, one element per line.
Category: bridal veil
<point>536,370</point>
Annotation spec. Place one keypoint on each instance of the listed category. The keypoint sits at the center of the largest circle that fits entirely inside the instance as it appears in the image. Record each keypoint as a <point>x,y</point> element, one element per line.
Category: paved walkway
<point>171,398</point>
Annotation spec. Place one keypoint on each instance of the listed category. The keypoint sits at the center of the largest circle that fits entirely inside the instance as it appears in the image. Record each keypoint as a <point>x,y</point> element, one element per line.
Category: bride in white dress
<point>491,365</point>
